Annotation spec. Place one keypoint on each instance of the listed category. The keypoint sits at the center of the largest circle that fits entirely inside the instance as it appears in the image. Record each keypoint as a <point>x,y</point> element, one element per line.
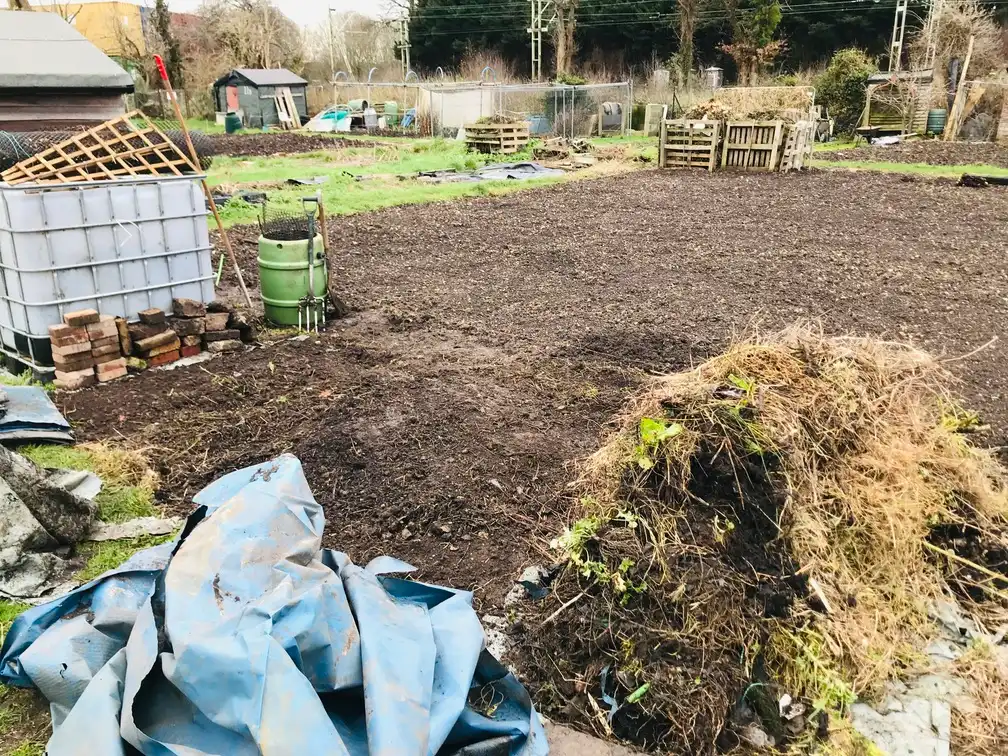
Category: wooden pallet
<point>798,146</point>
<point>287,111</point>
<point>503,138</point>
<point>753,145</point>
<point>130,145</point>
<point>689,144</point>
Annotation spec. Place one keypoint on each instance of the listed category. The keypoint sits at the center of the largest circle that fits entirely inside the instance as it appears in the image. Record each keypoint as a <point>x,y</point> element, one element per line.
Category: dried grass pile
<point>777,519</point>
<point>757,103</point>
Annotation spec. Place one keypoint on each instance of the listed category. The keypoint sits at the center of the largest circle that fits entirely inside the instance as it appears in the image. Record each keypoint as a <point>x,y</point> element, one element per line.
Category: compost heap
<point>776,520</point>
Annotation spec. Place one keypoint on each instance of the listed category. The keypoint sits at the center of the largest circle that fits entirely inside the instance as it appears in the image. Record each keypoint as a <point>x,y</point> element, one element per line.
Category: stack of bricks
<point>189,323</point>
<point>85,349</point>
<point>221,335</point>
<point>152,340</point>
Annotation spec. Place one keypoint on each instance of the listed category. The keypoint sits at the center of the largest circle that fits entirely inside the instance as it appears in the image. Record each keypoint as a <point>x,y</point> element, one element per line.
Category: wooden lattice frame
<point>130,145</point>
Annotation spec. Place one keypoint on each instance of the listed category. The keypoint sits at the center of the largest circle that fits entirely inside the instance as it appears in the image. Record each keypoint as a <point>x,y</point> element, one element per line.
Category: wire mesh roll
<point>284,225</point>
<point>16,146</point>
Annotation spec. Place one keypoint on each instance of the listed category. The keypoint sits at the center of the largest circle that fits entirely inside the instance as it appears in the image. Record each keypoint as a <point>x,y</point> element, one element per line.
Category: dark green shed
<point>250,91</point>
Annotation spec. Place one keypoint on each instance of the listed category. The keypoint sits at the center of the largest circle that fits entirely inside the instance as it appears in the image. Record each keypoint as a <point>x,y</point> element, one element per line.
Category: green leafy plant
<point>653,433</point>
<point>842,88</point>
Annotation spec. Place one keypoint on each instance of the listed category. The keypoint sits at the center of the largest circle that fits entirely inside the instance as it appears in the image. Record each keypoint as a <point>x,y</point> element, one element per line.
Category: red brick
<point>74,365</point>
<point>76,380</point>
<point>107,341</point>
<point>64,335</point>
<point>103,329</point>
<point>102,359</point>
<point>190,351</point>
<point>68,351</point>
<point>192,341</point>
<point>231,345</point>
<point>112,375</point>
<point>157,340</point>
<point>81,317</point>
<point>164,349</point>
<point>188,326</point>
<point>231,334</point>
<point>163,359</point>
<point>112,365</point>
<point>105,351</point>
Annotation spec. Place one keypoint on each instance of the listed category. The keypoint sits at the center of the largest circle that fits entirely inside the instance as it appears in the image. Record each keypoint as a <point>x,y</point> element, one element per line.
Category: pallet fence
<point>762,146</point>
<point>689,144</point>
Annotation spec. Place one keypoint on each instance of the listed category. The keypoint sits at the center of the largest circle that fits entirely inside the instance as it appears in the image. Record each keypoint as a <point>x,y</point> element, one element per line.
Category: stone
<point>141,331</point>
<point>64,335</point>
<point>217,321</point>
<point>75,380</point>
<point>188,308</point>
<point>111,365</point>
<point>135,364</point>
<point>192,341</point>
<point>69,350</point>
<point>103,329</point>
<point>104,359</point>
<point>563,741</point>
<point>190,351</point>
<point>232,334</point>
<point>152,342</point>
<point>218,305</point>
<point>219,347</point>
<point>164,348</point>
<point>152,316</point>
<point>81,317</point>
<point>106,351</point>
<point>188,326</point>
<point>241,322</point>
<point>163,359</point>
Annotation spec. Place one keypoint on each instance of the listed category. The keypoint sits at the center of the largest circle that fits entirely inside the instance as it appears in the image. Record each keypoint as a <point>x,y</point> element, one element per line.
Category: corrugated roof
<point>270,77</point>
<point>41,50</point>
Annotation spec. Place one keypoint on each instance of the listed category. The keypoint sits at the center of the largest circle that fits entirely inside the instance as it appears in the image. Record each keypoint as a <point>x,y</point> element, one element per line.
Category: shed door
<point>232,99</point>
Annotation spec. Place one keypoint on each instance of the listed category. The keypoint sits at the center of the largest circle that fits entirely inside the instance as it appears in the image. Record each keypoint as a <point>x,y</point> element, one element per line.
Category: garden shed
<point>51,76</point>
<point>250,92</point>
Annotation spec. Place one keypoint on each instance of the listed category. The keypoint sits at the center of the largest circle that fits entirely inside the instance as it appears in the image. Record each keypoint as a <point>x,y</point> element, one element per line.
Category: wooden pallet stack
<point>689,144</point>
<point>753,145</point>
<point>498,138</point>
<point>797,146</point>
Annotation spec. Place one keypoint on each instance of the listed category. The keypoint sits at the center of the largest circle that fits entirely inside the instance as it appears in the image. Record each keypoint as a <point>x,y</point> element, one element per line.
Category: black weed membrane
<point>775,522</point>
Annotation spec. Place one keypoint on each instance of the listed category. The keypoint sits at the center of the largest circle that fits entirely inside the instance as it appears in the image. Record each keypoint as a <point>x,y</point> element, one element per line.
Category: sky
<point>304,12</point>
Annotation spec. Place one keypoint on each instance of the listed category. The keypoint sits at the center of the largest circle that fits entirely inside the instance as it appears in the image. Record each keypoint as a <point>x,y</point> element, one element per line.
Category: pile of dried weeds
<point>778,518</point>
<point>759,103</point>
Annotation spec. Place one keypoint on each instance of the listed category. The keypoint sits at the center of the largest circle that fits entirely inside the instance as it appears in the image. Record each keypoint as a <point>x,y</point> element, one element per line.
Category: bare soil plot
<point>930,152</point>
<point>275,143</point>
<point>495,337</point>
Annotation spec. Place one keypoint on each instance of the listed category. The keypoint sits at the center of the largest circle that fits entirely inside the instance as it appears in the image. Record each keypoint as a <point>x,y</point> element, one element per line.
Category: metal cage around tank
<point>116,246</point>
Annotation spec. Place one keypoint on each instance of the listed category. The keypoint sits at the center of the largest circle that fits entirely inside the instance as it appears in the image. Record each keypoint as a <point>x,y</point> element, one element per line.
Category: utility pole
<point>403,43</point>
<point>898,33</point>
<point>536,29</point>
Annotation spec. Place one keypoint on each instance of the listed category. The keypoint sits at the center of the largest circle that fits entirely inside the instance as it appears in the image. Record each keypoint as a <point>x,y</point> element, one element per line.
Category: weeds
<point>107,555</point>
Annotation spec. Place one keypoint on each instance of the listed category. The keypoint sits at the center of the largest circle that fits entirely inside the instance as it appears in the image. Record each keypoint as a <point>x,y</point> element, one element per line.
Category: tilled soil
<point>495,337</point>
<point>274,143</point>
<point>930,152</point>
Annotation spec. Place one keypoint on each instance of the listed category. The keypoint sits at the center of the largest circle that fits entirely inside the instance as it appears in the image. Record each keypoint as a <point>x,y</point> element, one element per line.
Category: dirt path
<point>494,337</point>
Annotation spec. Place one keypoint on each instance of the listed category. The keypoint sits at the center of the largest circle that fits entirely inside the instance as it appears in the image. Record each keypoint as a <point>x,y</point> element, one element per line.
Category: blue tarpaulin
<point>30,415</point>
<point>246,637</point>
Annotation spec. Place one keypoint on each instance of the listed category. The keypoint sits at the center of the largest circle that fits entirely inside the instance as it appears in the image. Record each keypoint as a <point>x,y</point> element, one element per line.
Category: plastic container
<point>232,123</point>
<point>284,277</point>
<point>392,114</point>
<point>936,120</point>
<point>116,246</point>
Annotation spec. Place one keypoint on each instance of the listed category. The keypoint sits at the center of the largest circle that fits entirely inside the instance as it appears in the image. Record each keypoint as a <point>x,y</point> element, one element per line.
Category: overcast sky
<point>303,12</point>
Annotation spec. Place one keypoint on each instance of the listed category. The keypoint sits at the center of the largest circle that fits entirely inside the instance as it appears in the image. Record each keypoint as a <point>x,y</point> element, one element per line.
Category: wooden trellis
<point>689,144</point>
<point>130,145</point>
<point>753,145</point>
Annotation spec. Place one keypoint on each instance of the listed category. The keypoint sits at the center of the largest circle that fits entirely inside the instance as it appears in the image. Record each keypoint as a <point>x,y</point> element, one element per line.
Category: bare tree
<point>67,11</point>
<point>688,11</point>
<point>563,34</point>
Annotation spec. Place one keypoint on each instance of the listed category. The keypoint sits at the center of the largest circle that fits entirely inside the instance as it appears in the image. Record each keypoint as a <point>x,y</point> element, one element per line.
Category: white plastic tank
<point>116,246</point>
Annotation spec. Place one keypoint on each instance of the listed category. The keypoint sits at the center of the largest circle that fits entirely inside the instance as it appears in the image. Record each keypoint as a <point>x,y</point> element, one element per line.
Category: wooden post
<point>958,105</point>
<point>206,188</point>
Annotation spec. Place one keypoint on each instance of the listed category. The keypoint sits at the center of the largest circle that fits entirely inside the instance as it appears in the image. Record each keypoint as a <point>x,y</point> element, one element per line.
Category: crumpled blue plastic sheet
<point>30,415</point>
<point>245,637</point>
